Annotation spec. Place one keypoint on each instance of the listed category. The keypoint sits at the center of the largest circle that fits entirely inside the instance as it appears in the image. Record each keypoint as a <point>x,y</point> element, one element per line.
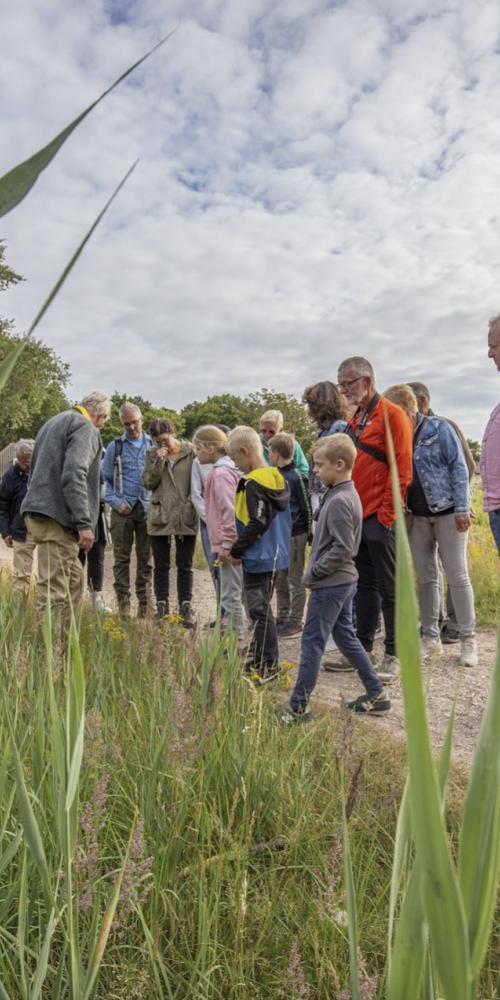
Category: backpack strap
<point>117,465</point>
<point>355,435</point>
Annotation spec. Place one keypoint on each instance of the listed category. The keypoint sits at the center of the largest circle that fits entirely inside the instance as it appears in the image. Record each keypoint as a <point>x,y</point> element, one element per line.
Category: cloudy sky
<point>316,179</point>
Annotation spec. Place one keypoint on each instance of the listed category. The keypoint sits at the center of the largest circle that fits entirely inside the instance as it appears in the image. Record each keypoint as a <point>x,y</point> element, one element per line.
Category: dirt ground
<point>444,681</point>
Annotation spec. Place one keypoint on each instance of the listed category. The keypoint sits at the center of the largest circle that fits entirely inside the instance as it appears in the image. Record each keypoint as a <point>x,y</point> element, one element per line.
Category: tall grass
<point>234,884</point>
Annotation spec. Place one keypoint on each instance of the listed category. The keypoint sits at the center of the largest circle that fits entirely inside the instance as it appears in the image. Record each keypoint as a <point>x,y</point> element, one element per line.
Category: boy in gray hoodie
<point>332,578</point>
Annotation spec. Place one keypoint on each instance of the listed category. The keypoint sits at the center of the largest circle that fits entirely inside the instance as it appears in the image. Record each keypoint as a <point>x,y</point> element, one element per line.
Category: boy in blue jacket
<point>264,528</point>
<point>290,591</point>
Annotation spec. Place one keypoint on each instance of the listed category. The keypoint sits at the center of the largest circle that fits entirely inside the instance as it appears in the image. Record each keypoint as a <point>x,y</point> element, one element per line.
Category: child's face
<point>241,458</point>
<point>330,473</point>
<point>204,452</point>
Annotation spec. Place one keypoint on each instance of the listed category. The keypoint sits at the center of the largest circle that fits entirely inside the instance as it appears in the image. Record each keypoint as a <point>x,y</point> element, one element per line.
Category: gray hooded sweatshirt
<point>336,538</point>
<point>64,477</point>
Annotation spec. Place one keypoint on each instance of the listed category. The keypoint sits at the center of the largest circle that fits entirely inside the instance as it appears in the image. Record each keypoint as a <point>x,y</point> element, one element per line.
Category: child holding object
<point>290,590</point>
<point>264,527</point>
<point>220,490</point>
<point>331,577</point>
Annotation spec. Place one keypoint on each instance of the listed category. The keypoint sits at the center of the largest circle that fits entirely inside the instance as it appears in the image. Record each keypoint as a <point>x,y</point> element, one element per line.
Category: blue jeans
<point>495,526</point>
<point>330,611</point>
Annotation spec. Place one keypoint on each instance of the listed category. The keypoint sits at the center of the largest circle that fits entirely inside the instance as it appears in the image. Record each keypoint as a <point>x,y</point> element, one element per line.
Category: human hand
<point>224,556</point>
<point>462,522</point>
<point>86,539</point>
<point>8,541</point>
<point>124,508</point>
<point>162,453</point>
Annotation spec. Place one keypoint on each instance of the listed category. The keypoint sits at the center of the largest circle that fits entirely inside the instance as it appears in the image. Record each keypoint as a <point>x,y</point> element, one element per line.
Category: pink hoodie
<point>220,492</point>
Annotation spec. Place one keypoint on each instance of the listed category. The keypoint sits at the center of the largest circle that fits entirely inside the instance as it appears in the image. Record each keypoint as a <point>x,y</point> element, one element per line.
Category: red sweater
<point>372,478</point>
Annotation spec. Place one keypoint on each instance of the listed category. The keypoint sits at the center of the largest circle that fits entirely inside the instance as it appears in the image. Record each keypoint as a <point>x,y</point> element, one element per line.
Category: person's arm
<point>340,525</point>
<point>224,496</point>
<point>153,468</point>
<point>82,447</point>
<point>469,457</point>
<point>402,437</point>
<point>260,516</point>
<point>6,498</point>
<point>453,455</point>
<point>197,489</point>
<point>108,463</point>
<point>304,503</point>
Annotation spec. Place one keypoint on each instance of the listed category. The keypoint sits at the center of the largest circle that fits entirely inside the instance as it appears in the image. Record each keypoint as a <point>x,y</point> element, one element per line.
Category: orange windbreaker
<point>372,478</point>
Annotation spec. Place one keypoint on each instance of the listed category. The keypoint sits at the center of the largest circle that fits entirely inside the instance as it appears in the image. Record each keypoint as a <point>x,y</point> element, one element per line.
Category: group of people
<point>258,502</point>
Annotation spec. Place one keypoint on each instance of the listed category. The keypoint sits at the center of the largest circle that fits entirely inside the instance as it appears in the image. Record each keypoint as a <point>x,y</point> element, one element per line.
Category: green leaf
<point>441,895</point>
<point>479,856</point>
<point>15,185</point>
<point>27,816</point>
<point>43,960</point>
<point>9,363</point>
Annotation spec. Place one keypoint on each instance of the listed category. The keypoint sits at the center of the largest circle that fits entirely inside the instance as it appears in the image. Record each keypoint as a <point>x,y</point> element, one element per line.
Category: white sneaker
<point>389,669</point>
<point>100,603</point>
<point>468,652</point>
<point>431,647</point>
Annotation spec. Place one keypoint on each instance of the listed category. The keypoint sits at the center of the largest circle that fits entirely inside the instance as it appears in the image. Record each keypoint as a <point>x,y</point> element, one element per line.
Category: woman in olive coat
<point>167,474</point>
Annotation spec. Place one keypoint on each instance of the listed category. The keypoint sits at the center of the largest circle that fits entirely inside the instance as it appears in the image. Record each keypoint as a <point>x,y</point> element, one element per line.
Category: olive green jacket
<point>171,511</point>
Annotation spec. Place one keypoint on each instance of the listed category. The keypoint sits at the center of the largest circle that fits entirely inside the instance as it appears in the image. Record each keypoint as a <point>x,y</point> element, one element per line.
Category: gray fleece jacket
<point>64,478</point>
<point>336,538</point>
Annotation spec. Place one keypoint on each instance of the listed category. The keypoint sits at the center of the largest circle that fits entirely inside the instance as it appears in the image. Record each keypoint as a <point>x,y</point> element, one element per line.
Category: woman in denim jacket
<point>439,505</point>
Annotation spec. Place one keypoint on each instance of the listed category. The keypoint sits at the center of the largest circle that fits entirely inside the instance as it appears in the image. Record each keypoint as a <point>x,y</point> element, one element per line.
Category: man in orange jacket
<point>376,559</point>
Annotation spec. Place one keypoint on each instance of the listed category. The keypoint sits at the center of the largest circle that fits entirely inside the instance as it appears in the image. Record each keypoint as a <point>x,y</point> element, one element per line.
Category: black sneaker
<point>365,705</point>
<point>449,635</point>
<point>290,717</point>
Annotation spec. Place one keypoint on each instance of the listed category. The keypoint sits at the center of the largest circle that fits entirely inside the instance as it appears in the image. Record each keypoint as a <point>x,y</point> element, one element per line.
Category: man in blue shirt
<point>123,470</point>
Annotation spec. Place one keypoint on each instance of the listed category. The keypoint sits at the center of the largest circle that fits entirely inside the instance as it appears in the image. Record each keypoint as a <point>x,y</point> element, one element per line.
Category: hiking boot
<point>186,612</point>
<point>161,609</point>
<point>124,609</point>
<point>290,632</point>
<point>340,666</point>
<point>292,716</point>
<point>143,610</point>
<point>449,634</point>
<point>431,647</point>
<point>468,652</point>
<point>389,669</point>
<point>100,603</point>
<point>367,705</point>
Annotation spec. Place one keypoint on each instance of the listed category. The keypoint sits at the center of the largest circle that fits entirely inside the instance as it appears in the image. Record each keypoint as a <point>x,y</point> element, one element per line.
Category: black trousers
<point>184,553</point>
<point>258,589</point>
<point>376,565</point>
<point>94,559</point>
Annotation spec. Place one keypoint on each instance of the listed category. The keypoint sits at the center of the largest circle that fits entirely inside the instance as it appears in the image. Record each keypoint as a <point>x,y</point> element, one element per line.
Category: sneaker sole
<point>388,678</point>
<point>334,668</point>
<point>283,638</point>
<point>373,711</point>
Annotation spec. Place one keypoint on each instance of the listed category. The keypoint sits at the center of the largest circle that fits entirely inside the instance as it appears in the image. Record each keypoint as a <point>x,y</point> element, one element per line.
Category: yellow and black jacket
<point>263,521</point>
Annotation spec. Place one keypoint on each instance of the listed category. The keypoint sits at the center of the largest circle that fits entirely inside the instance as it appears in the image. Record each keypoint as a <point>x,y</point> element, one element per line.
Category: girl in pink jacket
<point>220,492</point>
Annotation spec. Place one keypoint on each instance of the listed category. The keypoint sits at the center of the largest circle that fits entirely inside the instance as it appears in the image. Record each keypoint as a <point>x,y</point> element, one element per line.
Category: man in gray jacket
<point>61,506</point>
<point>332,578</point>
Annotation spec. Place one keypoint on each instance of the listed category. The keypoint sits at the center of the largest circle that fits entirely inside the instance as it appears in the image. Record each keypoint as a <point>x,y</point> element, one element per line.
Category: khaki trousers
<point>60,572</point>
<point>22,564</point>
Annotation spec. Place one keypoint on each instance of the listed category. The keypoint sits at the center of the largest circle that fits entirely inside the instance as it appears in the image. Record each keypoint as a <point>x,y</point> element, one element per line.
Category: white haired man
<point>123,471</point>
<point>271,423</point>
<point>376,558</point>
<point>61,505</point>
<point>12,527</point>
<point>490,448</point>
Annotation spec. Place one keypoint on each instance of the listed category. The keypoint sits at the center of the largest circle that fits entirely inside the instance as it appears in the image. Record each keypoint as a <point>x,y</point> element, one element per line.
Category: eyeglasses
<point>345,385</point>
<point>131,423</point>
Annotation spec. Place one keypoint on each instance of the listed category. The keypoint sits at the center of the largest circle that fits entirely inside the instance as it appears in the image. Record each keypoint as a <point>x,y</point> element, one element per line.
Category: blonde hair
<point>403,396</point>
<point>337,446</point>
<point>244,437</point>
<point>211,437</point>
<point>272,417</point>
<point>283,444</point>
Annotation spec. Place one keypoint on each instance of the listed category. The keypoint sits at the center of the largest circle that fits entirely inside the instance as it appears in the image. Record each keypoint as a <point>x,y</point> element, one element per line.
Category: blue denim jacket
<point>439,462</point>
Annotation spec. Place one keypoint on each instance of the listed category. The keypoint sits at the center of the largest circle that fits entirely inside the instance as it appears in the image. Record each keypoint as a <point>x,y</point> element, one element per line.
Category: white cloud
<point>314,179</point>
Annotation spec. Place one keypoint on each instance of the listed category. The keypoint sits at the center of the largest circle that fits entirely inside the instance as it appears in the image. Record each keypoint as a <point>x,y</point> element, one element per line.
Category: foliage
<point>232,410</point>
<point>113,428</point>
<point>7,275</point>
<point>35,390</point>
<point>475,448</point>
